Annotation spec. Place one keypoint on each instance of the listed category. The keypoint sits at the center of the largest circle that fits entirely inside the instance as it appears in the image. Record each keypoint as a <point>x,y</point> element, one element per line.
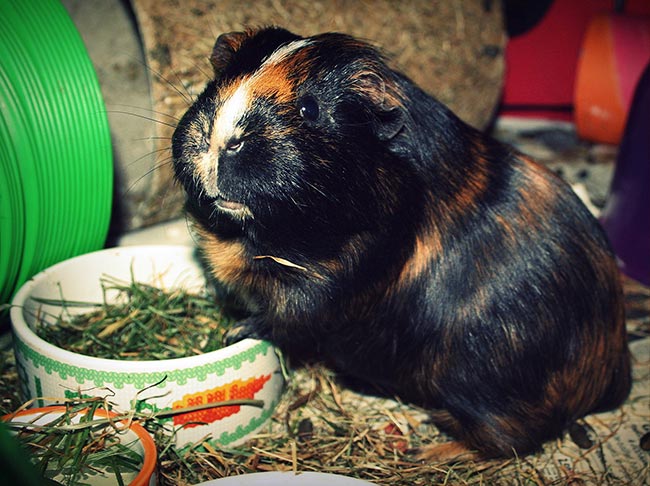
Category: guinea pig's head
<point>290,129</point>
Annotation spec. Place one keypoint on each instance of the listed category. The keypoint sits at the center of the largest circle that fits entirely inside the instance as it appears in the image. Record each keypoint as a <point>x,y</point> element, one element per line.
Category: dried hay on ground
<point>321,425</point>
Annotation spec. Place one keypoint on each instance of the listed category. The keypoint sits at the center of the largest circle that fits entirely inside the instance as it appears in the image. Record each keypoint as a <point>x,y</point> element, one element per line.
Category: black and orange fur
<point>425,257</point>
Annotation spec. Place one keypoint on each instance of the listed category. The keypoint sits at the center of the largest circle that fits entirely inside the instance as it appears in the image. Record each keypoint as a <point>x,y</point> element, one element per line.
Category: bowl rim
<point>24,332</point>
<point>149,446</point>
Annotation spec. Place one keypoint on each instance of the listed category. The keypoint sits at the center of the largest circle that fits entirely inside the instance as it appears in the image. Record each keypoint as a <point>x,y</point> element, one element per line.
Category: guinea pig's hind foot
<point>446,452</point>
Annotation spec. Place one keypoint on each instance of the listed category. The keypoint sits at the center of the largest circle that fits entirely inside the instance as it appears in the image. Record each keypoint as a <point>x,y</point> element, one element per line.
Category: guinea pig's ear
<point>224,48</point>
<point>384,103</point>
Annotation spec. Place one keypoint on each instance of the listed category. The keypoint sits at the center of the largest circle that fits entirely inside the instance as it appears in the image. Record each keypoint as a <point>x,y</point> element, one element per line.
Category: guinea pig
<point>365,225</point>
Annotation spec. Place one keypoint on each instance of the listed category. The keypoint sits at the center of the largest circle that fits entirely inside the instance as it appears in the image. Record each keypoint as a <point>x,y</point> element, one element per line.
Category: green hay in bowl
<point>143,323</point>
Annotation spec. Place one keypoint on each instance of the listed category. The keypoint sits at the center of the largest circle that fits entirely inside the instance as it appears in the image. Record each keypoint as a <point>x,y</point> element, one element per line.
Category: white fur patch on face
<point>207,172</point>
<point>225,128</point>
<point>227,119</point>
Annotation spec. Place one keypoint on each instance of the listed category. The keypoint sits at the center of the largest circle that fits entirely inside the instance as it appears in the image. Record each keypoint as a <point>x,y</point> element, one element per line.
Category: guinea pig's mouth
<point>234,208</point>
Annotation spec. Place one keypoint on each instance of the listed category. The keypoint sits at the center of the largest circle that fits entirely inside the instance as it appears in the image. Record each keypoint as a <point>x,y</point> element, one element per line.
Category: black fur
<point>426,257</point>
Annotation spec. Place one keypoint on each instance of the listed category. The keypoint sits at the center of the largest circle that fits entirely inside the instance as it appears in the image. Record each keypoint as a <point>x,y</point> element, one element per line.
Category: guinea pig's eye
<point>234,145</point>
<point>308,108</point>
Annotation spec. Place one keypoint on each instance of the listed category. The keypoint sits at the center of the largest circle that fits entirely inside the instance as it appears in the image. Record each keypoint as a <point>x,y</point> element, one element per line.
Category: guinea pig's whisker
<point>144,139</point>
<point>144,117</point>
<point>202,194</point>
<point>214,213</point>
<point>149,154</point>
<point>184,93</point>
<point>150,171</point>
<point>198,67</point>
<point>190,227</point>
<point>155,112</point>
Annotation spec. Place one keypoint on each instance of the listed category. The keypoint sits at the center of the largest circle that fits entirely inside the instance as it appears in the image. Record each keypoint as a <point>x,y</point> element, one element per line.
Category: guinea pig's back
<point>524,311</point>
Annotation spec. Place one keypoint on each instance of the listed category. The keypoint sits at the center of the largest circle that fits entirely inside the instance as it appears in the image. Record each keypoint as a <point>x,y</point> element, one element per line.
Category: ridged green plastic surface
<point>56,164</point>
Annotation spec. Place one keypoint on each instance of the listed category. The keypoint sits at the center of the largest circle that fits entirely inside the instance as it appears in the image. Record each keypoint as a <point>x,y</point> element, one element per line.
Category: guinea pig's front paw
<point>248,328</point>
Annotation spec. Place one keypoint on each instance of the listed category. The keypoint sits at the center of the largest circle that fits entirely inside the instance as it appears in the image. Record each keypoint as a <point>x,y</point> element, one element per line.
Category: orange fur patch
<point>279,80</point>
<point>227,258</point>
<point>273,82</point>
<point>427,247</point>
<point>446,452</point>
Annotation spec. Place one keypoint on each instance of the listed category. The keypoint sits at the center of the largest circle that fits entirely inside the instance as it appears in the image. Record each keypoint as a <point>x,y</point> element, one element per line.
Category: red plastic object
<point>541,64</point>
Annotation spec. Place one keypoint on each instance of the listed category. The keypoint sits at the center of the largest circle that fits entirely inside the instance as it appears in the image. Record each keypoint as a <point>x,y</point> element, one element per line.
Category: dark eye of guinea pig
<point>308,107</point>
<point>234,145</point>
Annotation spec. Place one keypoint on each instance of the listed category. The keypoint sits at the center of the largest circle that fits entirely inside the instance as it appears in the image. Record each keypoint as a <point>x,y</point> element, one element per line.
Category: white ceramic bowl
<point>281,478</point>
<point>247,369</point>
